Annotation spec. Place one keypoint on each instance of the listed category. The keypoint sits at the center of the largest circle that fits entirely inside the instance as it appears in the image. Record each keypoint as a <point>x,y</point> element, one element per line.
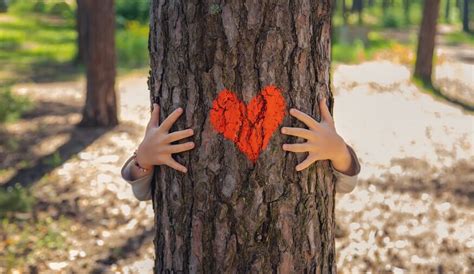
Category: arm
<point>155,149</point>
<point>323,143</point>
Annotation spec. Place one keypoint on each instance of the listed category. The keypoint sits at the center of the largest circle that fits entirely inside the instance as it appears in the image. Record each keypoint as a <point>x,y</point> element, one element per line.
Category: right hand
<point>156,148</point>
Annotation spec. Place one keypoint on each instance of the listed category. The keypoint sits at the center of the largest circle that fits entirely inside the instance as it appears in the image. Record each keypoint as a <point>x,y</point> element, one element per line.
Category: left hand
<point>323,142</point>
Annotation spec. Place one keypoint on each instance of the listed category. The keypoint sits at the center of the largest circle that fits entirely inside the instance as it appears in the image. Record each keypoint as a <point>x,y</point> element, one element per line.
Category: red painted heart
<point>250,126</point>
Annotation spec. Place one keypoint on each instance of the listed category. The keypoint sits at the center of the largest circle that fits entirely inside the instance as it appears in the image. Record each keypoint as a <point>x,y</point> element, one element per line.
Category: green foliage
<point>460,37</point>
<point>391,20</point>
<point>358,51</point>
<point>127,10</point>
<point>132,45</point>
<point>12,106</point>
<point>15,199</point>
<point>348,53</point>
<point>51,7</point>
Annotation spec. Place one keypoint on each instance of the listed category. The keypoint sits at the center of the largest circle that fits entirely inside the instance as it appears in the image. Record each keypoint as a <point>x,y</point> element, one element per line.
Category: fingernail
<point>184,170</point>
<point>283,130</point>
<point>285,147</point>
<point>191,131</point>
<point>180,109</point>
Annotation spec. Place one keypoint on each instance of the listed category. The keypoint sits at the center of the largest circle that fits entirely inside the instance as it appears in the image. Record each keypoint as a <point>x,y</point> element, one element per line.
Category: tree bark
<point>465,17</point>
<point>81,28</point>
<point>426,41</point>
<point>101,103</point>
<point>229,214</point>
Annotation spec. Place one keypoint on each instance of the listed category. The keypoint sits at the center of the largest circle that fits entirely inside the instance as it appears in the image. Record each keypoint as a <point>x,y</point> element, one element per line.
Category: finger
<point>179,148</point>
<point>154,117</point>
<point>175,165</point>
<point>307,162</point>
<point>305,118</point>
<point>178,135</point>
<point>298,132</point>
<point>171,119</point>
<point>325,114</point>
<point>296,147</point>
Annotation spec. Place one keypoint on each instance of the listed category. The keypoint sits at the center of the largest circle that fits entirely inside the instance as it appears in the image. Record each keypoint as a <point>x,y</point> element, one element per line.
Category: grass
<point>15,199</point>
<point>12,106</point>
<point>460,37</point>
<point>359,51</point>
<point>24,241</point>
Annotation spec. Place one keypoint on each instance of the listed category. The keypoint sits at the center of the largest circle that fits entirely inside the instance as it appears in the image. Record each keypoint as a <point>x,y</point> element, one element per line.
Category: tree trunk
<point>81,27</point>
<point>344,12</point>
<point>236,212</point>
<point>426,41</point>
<point>358,5</point>
<point>101,104</point>
<point>447,11</point>
<point>465,17</point>
<point>406,9</point>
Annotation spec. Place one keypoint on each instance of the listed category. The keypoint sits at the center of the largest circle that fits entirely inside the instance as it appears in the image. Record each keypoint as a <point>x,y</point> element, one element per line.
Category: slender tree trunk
<point>465,17</point>
<point>447,11</point>
<point>233,213</point>
<point>81,27</point>
<point>406,9</point>
<point>385,6</point>
<point>358,5</point>
<point>344,12</point>
<point>426,41</point>
<point>101,104</point>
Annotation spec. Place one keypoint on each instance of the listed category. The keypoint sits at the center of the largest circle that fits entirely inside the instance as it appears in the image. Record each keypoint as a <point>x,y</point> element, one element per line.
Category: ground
<point>412,210</point>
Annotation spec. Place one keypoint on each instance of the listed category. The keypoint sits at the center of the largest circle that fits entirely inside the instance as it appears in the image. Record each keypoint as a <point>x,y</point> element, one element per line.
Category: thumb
<point>325,114</point>
<point>155,116</point>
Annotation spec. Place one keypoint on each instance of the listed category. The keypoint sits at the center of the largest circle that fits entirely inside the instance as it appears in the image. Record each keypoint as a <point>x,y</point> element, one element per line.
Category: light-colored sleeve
<point>346,183</point>
<point>141,187</point>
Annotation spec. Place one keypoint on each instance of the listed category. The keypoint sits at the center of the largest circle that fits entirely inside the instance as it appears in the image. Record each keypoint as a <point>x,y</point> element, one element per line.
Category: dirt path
<point>412,209</point>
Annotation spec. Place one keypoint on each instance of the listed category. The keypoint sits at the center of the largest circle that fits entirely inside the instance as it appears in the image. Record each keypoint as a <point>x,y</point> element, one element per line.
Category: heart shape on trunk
<point>250,126</point>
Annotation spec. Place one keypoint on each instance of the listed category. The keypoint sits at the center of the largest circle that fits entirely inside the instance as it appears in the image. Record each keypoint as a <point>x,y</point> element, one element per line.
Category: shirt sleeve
<point>141,187</point>
<point>346,183</point>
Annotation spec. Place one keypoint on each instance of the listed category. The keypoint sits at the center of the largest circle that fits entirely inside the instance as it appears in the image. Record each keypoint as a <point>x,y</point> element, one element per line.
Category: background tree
<point>358,6</point>
<point>426,41</point>
<point>465,17</point>
<point>229,214</point>
<point>447,11</point>
<point>81,27</point>
<point>101,104</point>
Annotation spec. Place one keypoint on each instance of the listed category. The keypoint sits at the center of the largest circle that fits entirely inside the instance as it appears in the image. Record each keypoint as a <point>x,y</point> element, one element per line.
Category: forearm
<point>346,162</point>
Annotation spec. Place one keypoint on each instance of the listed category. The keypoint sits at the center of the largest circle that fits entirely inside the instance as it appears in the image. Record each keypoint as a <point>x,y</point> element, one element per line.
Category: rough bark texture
<point>229,214</point>
<point>426,41</point>
<point>101,104</point>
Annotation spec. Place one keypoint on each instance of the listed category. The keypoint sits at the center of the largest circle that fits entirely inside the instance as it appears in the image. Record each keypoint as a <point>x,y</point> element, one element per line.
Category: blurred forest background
<point>64,207</point>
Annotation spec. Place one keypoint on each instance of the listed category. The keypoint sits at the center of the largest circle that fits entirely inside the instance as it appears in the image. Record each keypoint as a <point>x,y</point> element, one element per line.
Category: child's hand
<point>323,142</point>
<point>156,147</point>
